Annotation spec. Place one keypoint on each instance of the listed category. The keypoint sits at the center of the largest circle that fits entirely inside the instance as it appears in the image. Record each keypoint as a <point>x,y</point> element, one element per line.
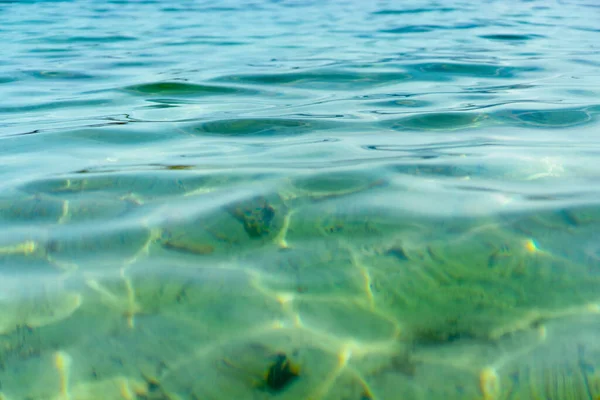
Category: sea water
<point>299,199</point>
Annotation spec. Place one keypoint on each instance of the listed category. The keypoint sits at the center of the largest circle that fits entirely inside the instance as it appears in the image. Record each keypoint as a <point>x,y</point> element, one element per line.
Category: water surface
<point>299,200</point>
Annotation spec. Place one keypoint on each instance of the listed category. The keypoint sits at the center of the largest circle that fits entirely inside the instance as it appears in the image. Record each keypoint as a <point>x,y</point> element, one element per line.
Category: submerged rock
<point>256,215</point>
<point>281,373</point>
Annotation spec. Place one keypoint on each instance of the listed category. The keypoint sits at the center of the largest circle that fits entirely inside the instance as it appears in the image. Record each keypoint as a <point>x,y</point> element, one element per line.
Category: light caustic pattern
<point>291,295</point>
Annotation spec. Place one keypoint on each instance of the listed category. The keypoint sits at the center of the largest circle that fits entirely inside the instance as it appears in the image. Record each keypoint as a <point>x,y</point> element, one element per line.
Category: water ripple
<point>262,126</point>
<point>414,11</point>
<point>185,89</point>
<point>327,79</point>
<point>511,37</point>
<point>428,28</point>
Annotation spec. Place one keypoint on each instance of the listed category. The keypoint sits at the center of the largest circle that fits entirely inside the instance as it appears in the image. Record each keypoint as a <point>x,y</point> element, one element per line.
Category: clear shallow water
<point>292,200</point>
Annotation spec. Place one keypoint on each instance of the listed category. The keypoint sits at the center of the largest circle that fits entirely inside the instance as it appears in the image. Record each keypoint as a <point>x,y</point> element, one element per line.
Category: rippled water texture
<point>343,200</point>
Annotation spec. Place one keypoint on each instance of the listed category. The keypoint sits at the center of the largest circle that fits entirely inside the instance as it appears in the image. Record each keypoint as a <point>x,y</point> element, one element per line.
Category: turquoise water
<point>299,200</point>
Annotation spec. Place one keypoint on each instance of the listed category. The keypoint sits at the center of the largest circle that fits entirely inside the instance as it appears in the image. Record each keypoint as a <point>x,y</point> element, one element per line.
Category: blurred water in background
<point>299,200</point>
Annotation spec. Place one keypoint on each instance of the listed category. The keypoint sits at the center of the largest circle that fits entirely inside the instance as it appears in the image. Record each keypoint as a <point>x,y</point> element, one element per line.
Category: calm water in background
<point>299,200</point>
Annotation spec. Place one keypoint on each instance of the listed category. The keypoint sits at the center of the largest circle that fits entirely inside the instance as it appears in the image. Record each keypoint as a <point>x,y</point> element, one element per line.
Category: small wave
<point>428,28</point>
<point>414,11</point>
<point>511,37</point>
<point>441,70</point>
<point>58,75</point>
<point>443,121</point>
<point>184,89</point>
<point>325,79</point>
<point>558,118</point>
<point>260,126</point>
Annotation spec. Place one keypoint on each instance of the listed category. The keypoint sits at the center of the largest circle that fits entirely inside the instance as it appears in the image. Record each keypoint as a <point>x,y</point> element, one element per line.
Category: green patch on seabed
<point>367,308</point>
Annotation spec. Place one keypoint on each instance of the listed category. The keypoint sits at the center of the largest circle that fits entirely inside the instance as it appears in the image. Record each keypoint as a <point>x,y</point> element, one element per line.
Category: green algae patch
<point>494,286</point>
